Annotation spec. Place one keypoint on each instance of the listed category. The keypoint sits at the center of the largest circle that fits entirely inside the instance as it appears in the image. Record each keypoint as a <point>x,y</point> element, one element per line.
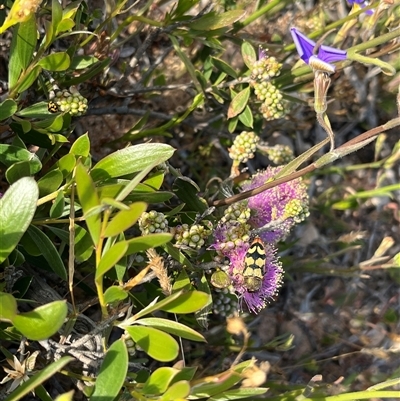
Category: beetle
<point>254,265</point>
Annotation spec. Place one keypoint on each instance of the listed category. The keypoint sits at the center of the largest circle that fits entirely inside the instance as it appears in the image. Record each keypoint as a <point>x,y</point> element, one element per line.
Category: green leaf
<point>65,25</point>
<point>205,389</point>
<point>83,244</point>
<point>26,387</point>
<point>114,294</point>
<point>29,79</point>
<point>131,160</point>
<point>10,154</point>
<point>159,345</point>
<point>125,219</point>
<point>66,164</point>
<point>111,257</point>
<point>7,109</point>
<point>55,62</point>
<point>26,42</point>
<point>58,206</point>
<point>202,314</point>
<point>81,147</point>
<point>49,251</point>
<point>42,322</point>
<point>88,199</point>
<point>171,327</point>
<point>240,393</point>
<point>140,244</point>
<point>246,117</point>
<point>17,207</point>
<point>187,191</point>
<point>188,302</point>
<point>248,54</point>
<point>159,380</point>
<point>81,62</point>
<point>185,59</point>
<point>213,21</point>
<point>18,171</point>
<point>56,14</point>
<point>225,67</point>
<point>178,391</point>
<point>239,102</point>
<point>8,309</point>
<point>50,182</point>
<point>178,255</point>
<point>112,373</point>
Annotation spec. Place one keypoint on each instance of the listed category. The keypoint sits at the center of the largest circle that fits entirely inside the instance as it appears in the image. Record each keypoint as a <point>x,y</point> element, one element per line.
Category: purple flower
<point>362,3</point>
<point>272,277</point>
<point>318,58</point>
<point>280,207</point>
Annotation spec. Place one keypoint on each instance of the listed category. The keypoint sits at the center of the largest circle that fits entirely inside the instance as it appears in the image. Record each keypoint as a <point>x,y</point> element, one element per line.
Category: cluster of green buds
<point>237,212</point>
<point>153,222</point>
<point>262,72</point>
<point>69,101</point>
<point>272,107</point>
<point>297,209</point>
<point>279,154</point>
<point>193,236</point>
<point>243,147</point>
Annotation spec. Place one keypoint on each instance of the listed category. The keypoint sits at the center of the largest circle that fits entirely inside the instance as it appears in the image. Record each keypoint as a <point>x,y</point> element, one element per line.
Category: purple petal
<point>262,53</point>
<point>329,54</point>
<point>304,45</point>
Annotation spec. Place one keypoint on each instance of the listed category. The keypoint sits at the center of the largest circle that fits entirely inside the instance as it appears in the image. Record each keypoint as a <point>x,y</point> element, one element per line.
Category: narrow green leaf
<point>49,251</point>
<point>140,244</point>
<point>188,302</point>
<point>248,54</point>
<point>27,39</point>
<point>56,14</point>
<point>246,117</point>
<point>125,219</point>
<point>8,309</point>
<point>223,66</point>
<point>7,109</point>
<point>66,164</point>
<point>55,61</point>
<point>83,244</point>
<point>58,206</point>
<point>110,258</point>
<point>213,21</point>
<point>131,160</point>
<point>185,59</point>
<point>239,102</point>
<point>159,345</point>
<point>239,394</point>
<point>171,327</point>
<point>42,322</point>
<point>112,373</point>
<point>178,255</point>
<point>26,387</point>
<point>17,207</point>
<point>29,79</point>
<point>88,199</point>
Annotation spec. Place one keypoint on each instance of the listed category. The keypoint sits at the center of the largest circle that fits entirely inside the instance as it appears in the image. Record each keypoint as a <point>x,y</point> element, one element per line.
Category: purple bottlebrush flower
<point>262,53</point>
<point>279,208</point>
<point>271,277</point>
<point>363,4</point>
<point>318,58</point>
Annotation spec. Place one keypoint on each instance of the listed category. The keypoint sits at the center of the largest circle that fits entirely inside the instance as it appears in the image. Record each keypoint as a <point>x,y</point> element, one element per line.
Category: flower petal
<point>304,45</point>
<point>330,54</point>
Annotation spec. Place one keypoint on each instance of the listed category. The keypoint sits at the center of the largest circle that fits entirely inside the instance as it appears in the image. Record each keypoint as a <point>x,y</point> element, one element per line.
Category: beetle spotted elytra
<point>254,264</point>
